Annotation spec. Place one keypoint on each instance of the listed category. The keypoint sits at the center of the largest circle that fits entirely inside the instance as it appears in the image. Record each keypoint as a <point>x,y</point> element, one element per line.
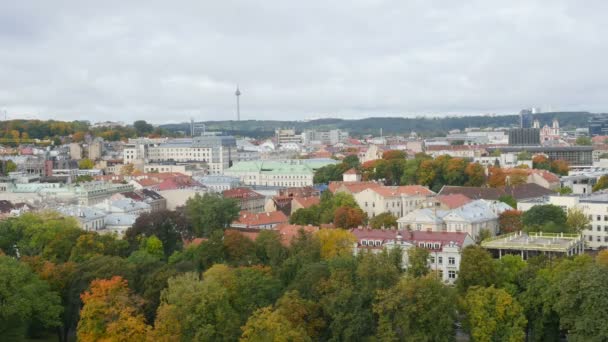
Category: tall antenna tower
<point>237,93</point>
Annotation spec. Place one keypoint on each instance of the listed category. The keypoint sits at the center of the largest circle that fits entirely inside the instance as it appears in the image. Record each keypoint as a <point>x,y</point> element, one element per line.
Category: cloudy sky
<point>165,61</point>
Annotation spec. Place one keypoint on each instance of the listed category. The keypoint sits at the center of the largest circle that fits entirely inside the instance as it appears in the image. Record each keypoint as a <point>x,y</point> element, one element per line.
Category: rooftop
<point>537,241</point>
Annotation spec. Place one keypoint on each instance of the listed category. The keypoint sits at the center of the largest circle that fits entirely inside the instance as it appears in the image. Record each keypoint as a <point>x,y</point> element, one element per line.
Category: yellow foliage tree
<point>335,242</point>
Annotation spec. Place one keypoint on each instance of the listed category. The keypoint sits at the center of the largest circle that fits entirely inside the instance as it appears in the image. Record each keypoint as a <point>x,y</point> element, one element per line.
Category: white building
<point>288,173</point>
<point>218,183</point>
<point>471,218</point>
<point>505,160</point>
<point>397,200</point>
<point>445,249</point>
<point>331,137</point>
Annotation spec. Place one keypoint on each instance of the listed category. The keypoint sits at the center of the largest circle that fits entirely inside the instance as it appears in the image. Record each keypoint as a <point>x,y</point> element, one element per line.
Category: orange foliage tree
<point>497,177</point>
<point>510,221</point>
<point>347,217</point>
<point>110,313</point>
<point>561,167</point>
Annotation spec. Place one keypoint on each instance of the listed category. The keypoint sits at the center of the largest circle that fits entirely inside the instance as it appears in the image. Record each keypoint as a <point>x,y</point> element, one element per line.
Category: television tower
<point>237,93</point>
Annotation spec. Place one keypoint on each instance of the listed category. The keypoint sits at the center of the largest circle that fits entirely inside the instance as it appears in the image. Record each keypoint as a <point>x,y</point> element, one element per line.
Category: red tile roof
<point>253,220</point>
<point>306,202</point>
<point>241,193</point>
<point>290,231</point>
<point>353,187</point>
<point>410,190</point>
<point>453,201</point>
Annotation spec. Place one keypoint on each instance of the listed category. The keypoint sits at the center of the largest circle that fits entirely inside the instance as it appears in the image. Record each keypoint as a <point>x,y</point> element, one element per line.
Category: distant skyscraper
<point>238,105</point>
<point>525,118</point>
<point>598,125</point>
<point>524,136</point>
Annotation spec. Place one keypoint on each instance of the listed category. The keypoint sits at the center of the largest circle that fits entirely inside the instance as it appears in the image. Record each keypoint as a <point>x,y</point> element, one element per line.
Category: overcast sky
<point>165,61</point>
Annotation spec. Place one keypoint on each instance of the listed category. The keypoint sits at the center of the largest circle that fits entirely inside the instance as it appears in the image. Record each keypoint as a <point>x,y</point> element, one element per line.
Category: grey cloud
<point>167,61</point>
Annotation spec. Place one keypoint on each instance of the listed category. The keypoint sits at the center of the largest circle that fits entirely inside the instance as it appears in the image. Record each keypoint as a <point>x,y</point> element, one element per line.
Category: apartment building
<point>284,173</point>
<point>397,200</point>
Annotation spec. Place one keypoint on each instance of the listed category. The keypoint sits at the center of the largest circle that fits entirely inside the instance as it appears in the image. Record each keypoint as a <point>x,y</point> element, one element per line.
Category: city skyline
<point>299,61</point>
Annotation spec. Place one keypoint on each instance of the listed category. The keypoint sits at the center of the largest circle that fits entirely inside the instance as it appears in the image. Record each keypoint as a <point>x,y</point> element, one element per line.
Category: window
<point>451,261</point>
<point>366,204</point>
<point>605,217</point>
<point>599,218</point>
<point>599,239</point>
<point>440,260</point>
<point>590,238</point>
<point>452,274</point>
<point>599,228</point>
<point>364,242</point>
<point>378,243</point>
<point>432,259</point>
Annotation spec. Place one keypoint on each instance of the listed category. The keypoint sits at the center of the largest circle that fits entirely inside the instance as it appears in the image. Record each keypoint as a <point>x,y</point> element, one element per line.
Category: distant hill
<point>389,125</point>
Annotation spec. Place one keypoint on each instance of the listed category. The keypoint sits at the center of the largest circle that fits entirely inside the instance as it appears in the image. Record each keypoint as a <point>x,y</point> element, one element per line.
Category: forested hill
<point>389,125</point>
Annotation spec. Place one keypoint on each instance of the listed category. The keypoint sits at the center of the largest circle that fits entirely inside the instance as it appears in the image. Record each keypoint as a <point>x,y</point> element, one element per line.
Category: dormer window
<point>364,242</point>
<point>378,243</point>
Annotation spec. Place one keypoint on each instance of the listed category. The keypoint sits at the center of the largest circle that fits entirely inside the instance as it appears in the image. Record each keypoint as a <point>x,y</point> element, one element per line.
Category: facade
<point>95,149</point>
<point>504,160</point>
<point>444,248</point>
<point>75,151</point>
<point>574,155</point>
<point>186,169</point>
<point>218,183</point>
<point>550,133</point>
<point>92,193</point>
<point>524,136</point>
<point>331,137</point>
<point>525,118</point>
<point>218,152</point>
<point>285,173</point>
<point>351,175</point>
<point>397,200</point>
<point>248,199</point>
<point>287,136</point>
<point>595,206</point>
<point>598,125</point>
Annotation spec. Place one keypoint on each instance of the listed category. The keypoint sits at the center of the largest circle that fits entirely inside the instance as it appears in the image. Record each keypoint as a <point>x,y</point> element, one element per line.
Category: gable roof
<point>519,192</point>
<point>306,202</point>
<point>241,193</point>
<point>410,190</point>
<point>453,201</point>
<point>353,187</point>
<point>249,219</point>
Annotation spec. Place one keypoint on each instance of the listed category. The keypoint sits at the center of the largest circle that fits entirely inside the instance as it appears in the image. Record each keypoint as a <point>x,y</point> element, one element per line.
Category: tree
<point>83,179</point>
<point>127,169</point>
<point>476,269</point>
<point>540,215</point>
<point>386,220</point>
<point>335,242</point>
<point>86,164</point>
<point>9,166</point>
<point>497,177</point>
<point>346,217</point>
<point>560,167</point>
<point>565,190</point>
<point>581,302</point>
<point>540,161</point>
<point>508,199</point>
<point>25,300</point>
<point>508,272</point>
<point>416,310</point>
<point>210,212</point>
<point>454,172</point>
<point>510,221</point>
<point>602,183</point>
<point>306,216</point>
<point>493,315</point>
<point>475,174</point>
<point>142,127</point>
<point>171,227</point>
<point>583,141</point>
<point>240,250</point>
<point>576,220</point>
<point>111,313</point>
<point>393,154</point>
<point>291,319</point>
<point>602,257</point>
<point>418,262</point>
<point>524,155</point>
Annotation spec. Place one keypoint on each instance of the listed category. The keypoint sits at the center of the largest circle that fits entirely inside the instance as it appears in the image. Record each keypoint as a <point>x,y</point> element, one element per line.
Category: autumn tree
<point>393,154</point>
<point>454,172</point>
<point>602,183</point>
<point>560,167</point>
<point>335,242</point>
<point>127,169</point>
<point>510,221</point>
<point>497,177</point>
<point>346,217</point>
<point>493,315</point>
<point>386,220</point>
<point>86,164</point>
<point>540,161</point>
<point>475,174</point>
<point>110,312</point>
<point>577,220</point>
<point>416,309</point>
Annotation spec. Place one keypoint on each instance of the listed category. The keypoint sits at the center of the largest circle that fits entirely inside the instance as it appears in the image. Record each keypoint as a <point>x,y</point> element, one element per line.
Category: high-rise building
<point>598,125</point>
<point>524,136</point>
<point>286,136</point>
<point>330,137</point>
<point>525,118</point>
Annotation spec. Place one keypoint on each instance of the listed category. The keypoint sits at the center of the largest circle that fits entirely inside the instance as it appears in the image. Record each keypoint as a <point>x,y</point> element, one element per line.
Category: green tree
<point>418,262</point>
<point>475,173</point>
<point>602,183</point>
<point>583,141</point>
<point>416,310</point>
<point>386,220</point>
<point>210,212</point>
<point>86,164</point>
<point>540,215</point>
<point>25,301</point>
<point>493,315</point>
<point>565,190</point>
<point>508,270</point>
<point>524,155</point>
<point>476,269</point>
<point>142,127</point>
<point>306,216</point>
<point>171,227</point>
<point>576,220</point>
<point>508,199</point>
